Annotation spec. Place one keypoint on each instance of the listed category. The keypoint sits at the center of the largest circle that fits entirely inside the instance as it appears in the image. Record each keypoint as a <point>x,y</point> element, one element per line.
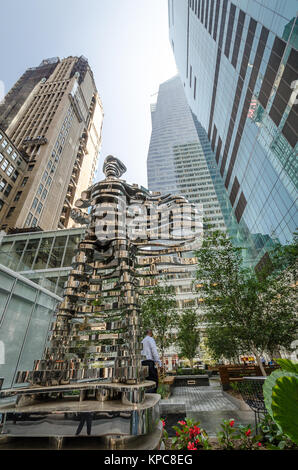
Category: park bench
<point>235,373</point>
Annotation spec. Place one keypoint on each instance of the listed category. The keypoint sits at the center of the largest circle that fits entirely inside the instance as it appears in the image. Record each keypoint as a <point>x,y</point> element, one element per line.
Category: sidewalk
<point>205,404</point>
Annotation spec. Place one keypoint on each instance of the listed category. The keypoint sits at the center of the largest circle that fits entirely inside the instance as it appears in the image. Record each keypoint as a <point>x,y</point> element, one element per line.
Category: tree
<point>188,336</point>
<point>257,311</point>
<point>222,344</point>
<point>158,312</point>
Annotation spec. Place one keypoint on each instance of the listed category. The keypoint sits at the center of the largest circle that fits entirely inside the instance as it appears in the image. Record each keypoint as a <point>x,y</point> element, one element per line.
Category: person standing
<point>152,357</point>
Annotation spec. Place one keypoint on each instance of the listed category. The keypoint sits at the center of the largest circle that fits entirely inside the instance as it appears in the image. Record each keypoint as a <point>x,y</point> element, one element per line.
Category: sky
<point>127,46</point>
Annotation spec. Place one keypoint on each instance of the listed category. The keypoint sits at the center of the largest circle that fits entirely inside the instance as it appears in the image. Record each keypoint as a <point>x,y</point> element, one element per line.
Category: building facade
<point>176,160</point>
<point>181,161</point>
<point>26,313</point>
<point>13,166</point>
<point>44,258</point>
<point>55,115</point>
<point>238,64</point>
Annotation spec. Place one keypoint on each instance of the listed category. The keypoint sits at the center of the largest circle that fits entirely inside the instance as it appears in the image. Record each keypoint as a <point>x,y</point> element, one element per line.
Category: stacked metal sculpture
<point>132,237</point>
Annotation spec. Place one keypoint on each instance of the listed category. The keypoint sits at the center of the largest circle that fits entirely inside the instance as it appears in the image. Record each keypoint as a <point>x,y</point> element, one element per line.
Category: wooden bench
<point>235,373</point>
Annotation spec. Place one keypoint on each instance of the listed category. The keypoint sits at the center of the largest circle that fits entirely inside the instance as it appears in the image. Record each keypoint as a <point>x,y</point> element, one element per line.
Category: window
<point>18,195</point>
<point>45,175</point>
<point>9,170</point>
<point>1,157</point>
<point>49,181</point>
<point>49,165</point>
<point>29,218</point>
<point>4,143</point>
<point>4,164</point>
<point>39,191</point>
<point>14,177</point>
<point>39,208</point>
<point>1,136</point>
<point>24,181</point>
<point>9,149</point>
<point>1,202</point>
<point>14,155</point>
<point>7,190</point>
<point>35,202</point>
<point>2,185</point>
<point>30,167</point>
<point>34,223</point>
<point>10,212</point>
<point>44,194</point>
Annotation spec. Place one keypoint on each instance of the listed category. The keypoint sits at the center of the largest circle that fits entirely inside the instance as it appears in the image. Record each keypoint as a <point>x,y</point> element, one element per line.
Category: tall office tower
<point>181,161</point>
<point>238,63</point>
<point>55,115</point>
<point>180,158</point>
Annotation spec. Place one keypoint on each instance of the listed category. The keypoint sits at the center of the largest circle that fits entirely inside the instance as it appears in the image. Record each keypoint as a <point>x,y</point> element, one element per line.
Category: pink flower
<point>259,444</point>
<point>248,432</point>
<point>191,446</point>
<point>182,423</point>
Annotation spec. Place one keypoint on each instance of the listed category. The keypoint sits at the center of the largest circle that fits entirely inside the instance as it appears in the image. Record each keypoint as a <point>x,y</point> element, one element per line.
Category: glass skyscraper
<point>177,156</point>
<point>238,64</point>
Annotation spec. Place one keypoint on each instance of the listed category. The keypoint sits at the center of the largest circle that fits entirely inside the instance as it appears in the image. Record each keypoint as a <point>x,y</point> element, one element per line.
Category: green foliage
<point>288,365</point>
<point>189,436</point>
<point>269,383</point>
<point>228,435</point>
<point>222,343</point>
<point>188,336</point>
<point>158,312</point>
<point>272,436</point>
<point>163,390</point>
<point>245,312</point>
<point>285,405</point>
<point>241,438</point>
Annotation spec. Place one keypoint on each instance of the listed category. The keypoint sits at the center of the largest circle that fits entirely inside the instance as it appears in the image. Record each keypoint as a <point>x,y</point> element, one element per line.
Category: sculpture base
<point>67,417</point>
<point>151,441</point>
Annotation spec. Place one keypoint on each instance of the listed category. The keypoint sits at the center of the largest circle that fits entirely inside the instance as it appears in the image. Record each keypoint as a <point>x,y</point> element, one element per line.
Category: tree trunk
<point>191,363</point>
<point>260,364</point>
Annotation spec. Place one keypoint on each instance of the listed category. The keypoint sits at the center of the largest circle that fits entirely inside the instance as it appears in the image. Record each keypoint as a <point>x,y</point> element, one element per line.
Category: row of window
<point>46,181</point>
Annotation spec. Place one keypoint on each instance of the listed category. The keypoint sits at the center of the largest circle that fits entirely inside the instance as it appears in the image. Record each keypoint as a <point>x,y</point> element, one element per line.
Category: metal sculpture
<point>132,237</point>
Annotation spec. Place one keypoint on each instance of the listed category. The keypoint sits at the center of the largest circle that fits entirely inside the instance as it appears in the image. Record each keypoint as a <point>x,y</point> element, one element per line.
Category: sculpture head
<point>113,167</point>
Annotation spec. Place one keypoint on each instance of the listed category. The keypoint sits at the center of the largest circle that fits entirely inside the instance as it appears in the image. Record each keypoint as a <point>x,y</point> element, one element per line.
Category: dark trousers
<point>153,375</point>
<point>85,417</point>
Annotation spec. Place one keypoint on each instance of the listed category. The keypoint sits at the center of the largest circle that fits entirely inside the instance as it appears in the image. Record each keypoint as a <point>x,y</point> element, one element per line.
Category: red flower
<point>197,430</point>
<point>163,423</point>
<point>248,432</point>
<point>194,431</point>
<point>177,433</point>
<point>191,446</point>
<point>259,444</point>
<point>232,422</point>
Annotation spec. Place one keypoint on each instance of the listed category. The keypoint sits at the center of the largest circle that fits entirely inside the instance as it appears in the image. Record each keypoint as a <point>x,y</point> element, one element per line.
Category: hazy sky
<point>126,43</point>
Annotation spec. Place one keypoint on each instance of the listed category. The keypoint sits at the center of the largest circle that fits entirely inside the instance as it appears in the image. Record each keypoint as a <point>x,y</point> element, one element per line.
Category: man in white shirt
<point>152,357</point>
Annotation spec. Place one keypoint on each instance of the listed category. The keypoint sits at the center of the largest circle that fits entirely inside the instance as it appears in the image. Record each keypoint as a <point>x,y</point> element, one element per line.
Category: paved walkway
<point>209,405</point>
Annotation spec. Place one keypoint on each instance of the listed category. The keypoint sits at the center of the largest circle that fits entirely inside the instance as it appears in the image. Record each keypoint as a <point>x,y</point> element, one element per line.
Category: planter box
<point>191,380</point>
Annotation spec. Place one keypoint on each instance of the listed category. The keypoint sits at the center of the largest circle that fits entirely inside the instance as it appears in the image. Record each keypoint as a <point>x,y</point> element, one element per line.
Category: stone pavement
<point>209,405</point>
